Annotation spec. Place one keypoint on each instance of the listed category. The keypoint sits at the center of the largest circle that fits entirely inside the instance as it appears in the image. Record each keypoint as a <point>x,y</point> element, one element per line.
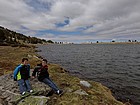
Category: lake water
<point>116,66</point>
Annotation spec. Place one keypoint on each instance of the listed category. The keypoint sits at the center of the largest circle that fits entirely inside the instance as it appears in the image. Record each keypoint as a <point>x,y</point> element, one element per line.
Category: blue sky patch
<point>66,22</point>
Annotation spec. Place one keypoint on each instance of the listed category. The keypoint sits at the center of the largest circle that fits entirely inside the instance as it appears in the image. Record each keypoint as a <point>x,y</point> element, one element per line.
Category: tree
<point>2,36</point>
<point>50,41</point>
<point>129,40</point>
<point>43,40</point>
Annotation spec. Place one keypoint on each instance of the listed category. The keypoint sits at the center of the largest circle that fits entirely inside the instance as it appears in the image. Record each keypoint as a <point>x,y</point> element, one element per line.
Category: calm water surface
<point>115,65</point>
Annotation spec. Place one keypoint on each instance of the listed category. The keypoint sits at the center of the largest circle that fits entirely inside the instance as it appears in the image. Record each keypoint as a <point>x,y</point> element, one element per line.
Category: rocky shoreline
<point>77,91</point>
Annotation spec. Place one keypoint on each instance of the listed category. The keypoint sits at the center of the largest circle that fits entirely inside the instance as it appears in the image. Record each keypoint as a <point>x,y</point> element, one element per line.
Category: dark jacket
<point>41,71</point>
<point>22,72</point>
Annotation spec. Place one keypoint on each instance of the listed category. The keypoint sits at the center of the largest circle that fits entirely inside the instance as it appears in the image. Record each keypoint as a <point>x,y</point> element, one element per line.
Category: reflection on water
<point>117,66</point>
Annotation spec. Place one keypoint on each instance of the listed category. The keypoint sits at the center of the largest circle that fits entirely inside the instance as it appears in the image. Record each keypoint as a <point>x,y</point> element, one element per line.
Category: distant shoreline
<point>91,43</point>
<point>113,43</point>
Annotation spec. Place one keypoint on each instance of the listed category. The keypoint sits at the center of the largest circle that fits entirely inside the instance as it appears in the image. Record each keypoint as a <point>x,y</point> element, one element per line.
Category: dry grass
<point>98,94</point>
<point>10,57</point>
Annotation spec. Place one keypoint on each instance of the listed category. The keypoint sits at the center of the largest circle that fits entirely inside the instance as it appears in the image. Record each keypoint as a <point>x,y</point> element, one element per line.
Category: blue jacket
<point>22,72</point>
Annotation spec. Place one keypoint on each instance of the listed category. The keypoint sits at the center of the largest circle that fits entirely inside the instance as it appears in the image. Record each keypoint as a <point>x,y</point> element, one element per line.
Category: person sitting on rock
<point>22,75</point>
<point>43,76</point>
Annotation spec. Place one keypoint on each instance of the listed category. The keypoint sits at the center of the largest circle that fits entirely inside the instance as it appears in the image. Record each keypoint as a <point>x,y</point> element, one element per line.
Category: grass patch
<point>11,57</point>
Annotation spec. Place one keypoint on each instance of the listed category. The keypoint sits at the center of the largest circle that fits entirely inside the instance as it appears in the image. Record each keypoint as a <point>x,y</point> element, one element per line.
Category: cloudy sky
<point>73,20</point>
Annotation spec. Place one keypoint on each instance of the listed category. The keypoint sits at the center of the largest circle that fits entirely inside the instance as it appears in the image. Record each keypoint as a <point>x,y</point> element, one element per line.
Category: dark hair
<point>45,60</point>
<point>23,59</point>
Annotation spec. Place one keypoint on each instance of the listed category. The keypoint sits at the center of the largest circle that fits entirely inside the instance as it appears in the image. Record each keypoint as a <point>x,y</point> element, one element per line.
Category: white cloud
<point>101,19</point>
<point>12,12</point>
<point>67,9</point>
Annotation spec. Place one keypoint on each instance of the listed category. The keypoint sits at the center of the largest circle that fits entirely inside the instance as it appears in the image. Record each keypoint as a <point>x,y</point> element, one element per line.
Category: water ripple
<point>116,66</point>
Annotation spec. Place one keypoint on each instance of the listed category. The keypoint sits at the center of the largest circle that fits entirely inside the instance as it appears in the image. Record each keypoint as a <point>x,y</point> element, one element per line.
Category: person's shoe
<point>60,92</point>
<point>23,93</point>
<point>31,91</point>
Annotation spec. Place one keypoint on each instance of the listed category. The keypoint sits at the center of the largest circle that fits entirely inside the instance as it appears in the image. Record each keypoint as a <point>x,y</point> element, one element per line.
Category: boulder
<point>80,92</point>
<point>85,83</point>
<point>30,56</point>
<point>9,92</point>
<point>34,100</point>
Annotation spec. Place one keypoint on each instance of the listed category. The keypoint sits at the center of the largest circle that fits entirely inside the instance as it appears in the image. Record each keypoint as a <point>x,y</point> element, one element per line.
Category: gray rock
<point>30,56</point>
<point>9,92</point>
<point>85,83</point>
<point>35,57</point>
<point>80,92</point>
<point>34,100</point>
<point>69,90</point>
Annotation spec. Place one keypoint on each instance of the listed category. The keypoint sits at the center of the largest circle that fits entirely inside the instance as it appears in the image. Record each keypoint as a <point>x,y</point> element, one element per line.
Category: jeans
<point>24,85</point>
<point>51,84</point>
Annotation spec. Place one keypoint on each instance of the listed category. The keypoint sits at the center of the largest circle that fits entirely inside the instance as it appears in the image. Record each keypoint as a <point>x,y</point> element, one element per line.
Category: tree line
<point>11,37</point>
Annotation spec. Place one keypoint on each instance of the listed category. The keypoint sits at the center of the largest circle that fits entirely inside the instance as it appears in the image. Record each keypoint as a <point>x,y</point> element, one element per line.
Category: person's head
<point>44,62</point>
<point>25,61</point>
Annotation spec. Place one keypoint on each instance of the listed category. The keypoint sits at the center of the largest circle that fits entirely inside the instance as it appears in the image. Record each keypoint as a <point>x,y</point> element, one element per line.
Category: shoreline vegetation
<point>75,92</point>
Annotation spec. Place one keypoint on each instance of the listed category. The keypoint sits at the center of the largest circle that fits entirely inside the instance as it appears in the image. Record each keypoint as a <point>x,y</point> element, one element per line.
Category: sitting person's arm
<point>36,70</point>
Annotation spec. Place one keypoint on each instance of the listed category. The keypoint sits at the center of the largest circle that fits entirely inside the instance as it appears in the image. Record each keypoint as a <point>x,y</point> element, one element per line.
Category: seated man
<point>43,76</point>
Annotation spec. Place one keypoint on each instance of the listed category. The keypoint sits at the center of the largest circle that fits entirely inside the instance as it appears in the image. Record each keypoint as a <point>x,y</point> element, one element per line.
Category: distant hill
<point>8,37</point>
